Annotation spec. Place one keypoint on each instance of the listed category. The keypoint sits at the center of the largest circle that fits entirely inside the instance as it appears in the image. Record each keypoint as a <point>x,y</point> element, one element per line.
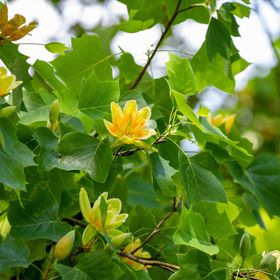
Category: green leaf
<point>200,184</point>
<point>74,273</point>
<point>96,96</point>
<point>193,265</point>
<point>47,157</point>
<point>180,73</point>
<point>192,232</point>
<point>241,10</point>
<point>185,109</point>
<point>56,47</point>
<point>128,68</point>
<point>163,173</point>
<point>78,64</point>
<point>132,26</point>
<point>13,253</point>
<point>212,73</point>
<point>11,172</point>
<point>98,265</point>
<point>262,180</point>
<point>16,63</point>
<point>203,111</point>
<point>12,146</point>
<point>218,40</point>
<point>218,218</point>
<point>47,72</point>
<point>143,14</point>
<point>36,218</point>
<point>83,152</point>
<point>140,191</point>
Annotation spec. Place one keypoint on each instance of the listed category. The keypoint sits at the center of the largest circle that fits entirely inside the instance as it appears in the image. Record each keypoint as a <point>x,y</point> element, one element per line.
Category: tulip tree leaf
<point>83,152</point>
<point>218,40</point>
<point>74,66</point>
<point>96,96</point>
<point>184,108</point>
<point>192,232</point>
<point>180,73</point>
<point>37,217</point>
<point>14,253</point>
<point>262,180</point>
<point>56,47</point>
<point>216,72</point>
<point>98,265</point>
<point>200,184</point>
<point>74,273</point>
<point>11,172</point>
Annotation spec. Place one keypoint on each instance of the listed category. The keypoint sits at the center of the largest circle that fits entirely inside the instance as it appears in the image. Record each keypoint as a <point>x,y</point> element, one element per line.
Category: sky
<point>253,44</point>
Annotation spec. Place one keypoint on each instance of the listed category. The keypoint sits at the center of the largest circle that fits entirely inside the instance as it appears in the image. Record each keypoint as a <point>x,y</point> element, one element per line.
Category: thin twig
<point>157,228</point>
<point>132,151</point>
<point>177,11</point>
<point>147,262</point>
<point>74,221</point>
<point>162,37</point>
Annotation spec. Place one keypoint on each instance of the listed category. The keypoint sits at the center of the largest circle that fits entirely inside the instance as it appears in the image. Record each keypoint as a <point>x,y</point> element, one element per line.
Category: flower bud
<point>84,204</point>
<point>268,261</point>
<point>88,234</point>
<point>120,239</point>
<point>245,245</point>
<point>5,226</point>
<point>7,111</point>
<point>54,112</point>
<point>64,246</point>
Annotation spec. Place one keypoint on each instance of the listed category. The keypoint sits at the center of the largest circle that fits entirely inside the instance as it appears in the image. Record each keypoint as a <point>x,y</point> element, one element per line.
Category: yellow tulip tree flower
<point>13,29</point>
<point>93,216</point>
<point>113,217</point>
<point>130,247</point>
<point>219,120</point>
<point>7,83</point>
<point>130,124</point>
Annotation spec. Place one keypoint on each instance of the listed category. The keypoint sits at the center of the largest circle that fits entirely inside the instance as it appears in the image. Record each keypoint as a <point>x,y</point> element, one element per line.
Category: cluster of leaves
<point>186,214</point>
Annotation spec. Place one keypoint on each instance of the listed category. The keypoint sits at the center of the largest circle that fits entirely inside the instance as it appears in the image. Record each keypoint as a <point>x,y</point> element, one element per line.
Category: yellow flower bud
<point>54,112</point>
<point>5,226</point>
<point>84,204</point>
<point>65,245</point>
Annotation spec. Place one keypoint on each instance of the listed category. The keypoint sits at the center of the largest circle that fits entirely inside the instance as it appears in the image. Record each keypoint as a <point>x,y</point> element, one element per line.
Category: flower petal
<point>3,72</point>
<point>117,114</point>
<point>114,205</point>
<point>3,15</point>
<point>111,128</point>
<point>129,111</point>
<point>144,114</point>
<point>229,122</point>
<point>146,133</point>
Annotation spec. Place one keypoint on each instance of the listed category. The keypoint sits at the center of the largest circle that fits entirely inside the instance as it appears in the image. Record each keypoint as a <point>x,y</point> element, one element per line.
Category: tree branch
<point>177,11</point>
<point>157,228</point>
<point>74,221</point>
<point>132,151</point>
<point>146,262</point>
<point>162,37</point>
